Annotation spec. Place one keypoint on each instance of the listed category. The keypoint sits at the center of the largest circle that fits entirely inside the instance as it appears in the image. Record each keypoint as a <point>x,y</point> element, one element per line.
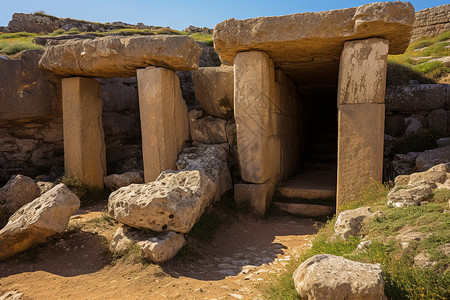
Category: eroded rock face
<point>175,201</point>
<point>212,160</point>
<point>350,222</point>
<point>430,158</point>
<point>214,90</point>
<point>333,277</point>
<point>155,247</point>
<point>116,181</point>
<point>207,129</point>
<point>17,192</point>
<point>401,196</point>
<point>120,56</point>
<point>36,221</point>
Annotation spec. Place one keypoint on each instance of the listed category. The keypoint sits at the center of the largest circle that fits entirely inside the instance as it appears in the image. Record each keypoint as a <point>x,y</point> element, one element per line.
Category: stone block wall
<point>431,21</point>
<point>415,107</point>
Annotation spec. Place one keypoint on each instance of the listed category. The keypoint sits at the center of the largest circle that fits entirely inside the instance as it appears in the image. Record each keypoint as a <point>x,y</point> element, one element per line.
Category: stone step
<point>307,210</point>
<point>310,184</point>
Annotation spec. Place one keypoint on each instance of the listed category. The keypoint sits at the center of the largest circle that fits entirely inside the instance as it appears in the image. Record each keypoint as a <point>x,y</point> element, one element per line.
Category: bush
<point>58,32</point>
<point>73,30</point>
<point>16,47</point>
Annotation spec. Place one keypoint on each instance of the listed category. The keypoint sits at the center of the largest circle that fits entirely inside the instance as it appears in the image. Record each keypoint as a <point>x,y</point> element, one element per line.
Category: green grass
<point>12,43</point>
<point>402,279</point>
<point>203,37</point>
<point>432,47</point>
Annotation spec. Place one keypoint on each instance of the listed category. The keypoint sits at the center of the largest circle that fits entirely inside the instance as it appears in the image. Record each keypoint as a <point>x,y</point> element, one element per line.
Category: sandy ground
<point>78,265</point>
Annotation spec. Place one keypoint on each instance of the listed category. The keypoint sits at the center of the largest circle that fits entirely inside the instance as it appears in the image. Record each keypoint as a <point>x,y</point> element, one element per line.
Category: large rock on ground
<point>154,247</point>
<point>214,90</point>
<point>212,160</point>
<point>349,222</point>
<point>333,277</point>
<point>430,158</point>
<point>17,192</point>
<point>36,221</point>
<point>116,181</point>
<point>175,201</point>
<point>121,56</point>
<point>207,129</point>
<point>434,176</point>
<point>404,164</point>
<point>401,196</point>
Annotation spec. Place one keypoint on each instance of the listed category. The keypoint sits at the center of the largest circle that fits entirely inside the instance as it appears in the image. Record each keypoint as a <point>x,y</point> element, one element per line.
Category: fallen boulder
<point>175,201</point>
<point>154,247</point>
<point>349,222</point>
<point>212,160</point>
<point>116,181</point>
<point>401,196</point>
<point>430,158</point>
<point>332,277</point>
<point>17,192</point>
<point>36,221</point>
<point>207,129</point>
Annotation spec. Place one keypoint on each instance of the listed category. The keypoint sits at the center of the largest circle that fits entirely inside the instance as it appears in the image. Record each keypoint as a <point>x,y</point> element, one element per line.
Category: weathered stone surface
<point>121,56</point>
<point>400,196</point>
<point>257,196</point>
<point>332,277</point>
<point>413,125</point>
<point>360,148</point>
<point>36,221</point>
<point>443,142</point>
<point>305,41</point>
<point>422,260</point>
<point>17,192</point>
<point>438,120</point>
<point>431,22</point>
<point>155,247</point>
<point>434,177</point>
<point>430,158</point>
<point>45,186</point>
<point>416,97</point>
<point>116,181</point>
<point>164,120</point>
<point>404,164</point>
<point>175,201</point>
<point>214,90</point>
<point>207,129</point>
<point>25,90</point>
<point>212,160</point>
<point>307,210</point>
<point>350,222</point>
<point>362,71</point>
<point>407,235</point>
<point>84,141</point>
<point>258,147</point>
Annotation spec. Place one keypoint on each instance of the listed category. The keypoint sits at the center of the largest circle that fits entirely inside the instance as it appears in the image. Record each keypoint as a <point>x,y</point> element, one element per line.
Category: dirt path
<point>233,266</point>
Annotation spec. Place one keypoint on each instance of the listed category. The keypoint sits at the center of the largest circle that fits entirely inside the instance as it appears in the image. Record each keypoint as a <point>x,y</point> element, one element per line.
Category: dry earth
<point>77,265</point>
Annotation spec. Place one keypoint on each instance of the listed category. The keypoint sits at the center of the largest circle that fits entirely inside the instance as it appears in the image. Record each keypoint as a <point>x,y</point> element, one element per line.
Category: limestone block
<point>257,196</point>
<point>207,129</point>
<point>116,181</point>
<point>362,71</point>
<point>360,148</point>
<point>17,192</point>
<point>175,201</point>
<point>153,246</point>
<point>430,158</point>
<point>118,56</point>
<point>417,97</point>
<point>212,160</point>
<point>164,120</point>
<point>400,196</point>
<point>84,140</point>
<point>256,115</point>
<point>214,90</point>
<point>36,221</point>
<point>326,276</point>
<point>25,90</point>
<point>349,222</point>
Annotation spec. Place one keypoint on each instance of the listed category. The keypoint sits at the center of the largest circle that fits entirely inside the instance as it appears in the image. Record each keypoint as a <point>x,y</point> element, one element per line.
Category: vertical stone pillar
<point>84,140</point>
<point>164,120</point>
<point>255,111</point>
<point>362,83</point>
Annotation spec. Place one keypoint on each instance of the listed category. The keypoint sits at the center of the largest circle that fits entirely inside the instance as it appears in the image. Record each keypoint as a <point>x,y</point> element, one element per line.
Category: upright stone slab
<point>84,141</point>
<point>256,107</point>
<point>164,120</point>
<point>362,80</point>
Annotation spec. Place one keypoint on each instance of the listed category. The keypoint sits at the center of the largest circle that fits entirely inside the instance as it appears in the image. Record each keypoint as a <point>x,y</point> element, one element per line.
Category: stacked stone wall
<point>431,21</point>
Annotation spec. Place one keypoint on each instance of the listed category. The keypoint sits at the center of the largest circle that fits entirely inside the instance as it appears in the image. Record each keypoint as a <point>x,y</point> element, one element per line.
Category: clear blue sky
<point>178,14</point>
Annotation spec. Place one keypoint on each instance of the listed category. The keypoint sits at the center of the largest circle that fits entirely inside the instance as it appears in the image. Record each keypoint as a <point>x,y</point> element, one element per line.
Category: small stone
<point>116,181</point>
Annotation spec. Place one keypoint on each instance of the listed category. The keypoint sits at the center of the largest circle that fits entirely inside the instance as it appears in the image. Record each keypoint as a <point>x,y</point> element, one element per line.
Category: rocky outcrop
<point>214,90</point>
<point>207,129</point>
<point>116,181</point>
<point>152,246</point>
<point>401,196</point>
<point>350,222</point>
<point>17,192</point>
<point>431,21</point>
<point>210,159</point>
<point>36,221</point>
<point>427,159</point>
<point>175,201</point>
<point>194,29</point>
<point>333,277</point>
<point>120,56</point>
